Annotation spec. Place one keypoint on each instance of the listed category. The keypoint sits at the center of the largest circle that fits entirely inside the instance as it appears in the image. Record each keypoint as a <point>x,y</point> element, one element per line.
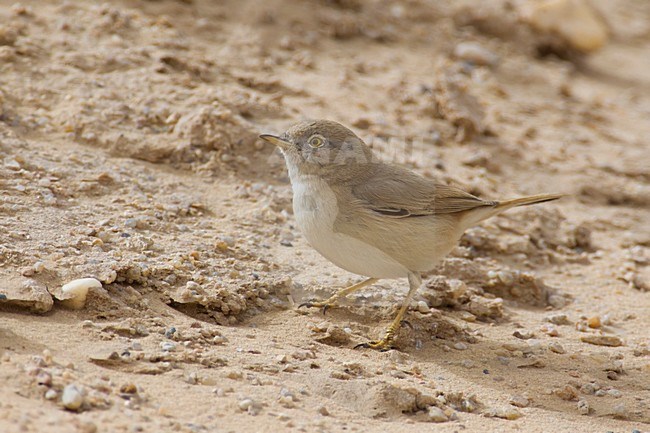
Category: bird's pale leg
<point>327,303</point>
<point>415,281</point>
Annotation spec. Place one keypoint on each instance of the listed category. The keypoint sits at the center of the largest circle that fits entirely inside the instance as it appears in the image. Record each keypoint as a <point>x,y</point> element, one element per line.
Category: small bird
<point>371,218</point>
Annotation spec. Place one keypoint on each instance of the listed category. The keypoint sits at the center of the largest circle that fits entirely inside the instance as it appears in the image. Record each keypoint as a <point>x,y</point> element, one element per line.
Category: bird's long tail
<point>484,212</point>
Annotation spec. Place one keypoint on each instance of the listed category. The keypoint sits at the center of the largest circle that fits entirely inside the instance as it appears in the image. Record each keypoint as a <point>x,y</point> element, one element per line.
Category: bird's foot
<point>323,305</point>
<point>386,343</point>
<point>382,345</point>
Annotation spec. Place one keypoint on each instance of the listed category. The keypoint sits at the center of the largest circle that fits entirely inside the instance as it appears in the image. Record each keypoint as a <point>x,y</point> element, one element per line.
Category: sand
<point>129,154</point>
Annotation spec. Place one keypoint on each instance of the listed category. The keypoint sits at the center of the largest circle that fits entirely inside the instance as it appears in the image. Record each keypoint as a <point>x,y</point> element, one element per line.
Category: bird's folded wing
<point>397,192</point>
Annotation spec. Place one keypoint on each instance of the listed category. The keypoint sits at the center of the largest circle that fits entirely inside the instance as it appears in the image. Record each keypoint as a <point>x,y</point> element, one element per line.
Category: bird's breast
<point>316,209</point>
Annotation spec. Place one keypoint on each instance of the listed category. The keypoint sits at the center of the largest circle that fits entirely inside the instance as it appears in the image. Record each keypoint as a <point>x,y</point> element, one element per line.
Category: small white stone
<point>287,402</point>
<point>76,291</point>
<point>507,412</point>
<point>12,164</point>
<point>475,53</point>
<point>423,307</point>
<point>250,406</point>
<point>72,398</point>
<point>168,346</point>
<point>51,394</point>
<point>245,404</point>
<point>460,346</point>
<point>437,415</point>
<point>219,339</point>
<point>38,266</point>
<point>615,393</point>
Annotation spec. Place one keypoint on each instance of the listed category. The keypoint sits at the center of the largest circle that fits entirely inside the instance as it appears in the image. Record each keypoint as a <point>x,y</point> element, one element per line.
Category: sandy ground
<point>129,153</point>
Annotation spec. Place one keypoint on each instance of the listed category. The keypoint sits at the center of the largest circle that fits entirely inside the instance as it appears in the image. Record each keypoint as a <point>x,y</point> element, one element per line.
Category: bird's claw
<point>382,345</point>
<point>316,304</point>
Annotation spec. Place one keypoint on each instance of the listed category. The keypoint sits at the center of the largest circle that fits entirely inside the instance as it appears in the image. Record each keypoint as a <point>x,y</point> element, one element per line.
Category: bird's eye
<point>316,141</point>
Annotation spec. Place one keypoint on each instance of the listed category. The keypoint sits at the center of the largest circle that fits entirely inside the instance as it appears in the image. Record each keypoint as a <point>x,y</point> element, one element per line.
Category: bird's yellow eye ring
<point>316,141</point>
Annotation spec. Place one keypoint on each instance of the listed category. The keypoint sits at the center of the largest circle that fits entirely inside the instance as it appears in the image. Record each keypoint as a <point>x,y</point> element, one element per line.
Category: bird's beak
<point>275,140</point>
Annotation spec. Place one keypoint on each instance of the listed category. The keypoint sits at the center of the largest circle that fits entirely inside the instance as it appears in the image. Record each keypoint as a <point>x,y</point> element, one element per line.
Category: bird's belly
<point>315,209</point>
<point>354,255</point>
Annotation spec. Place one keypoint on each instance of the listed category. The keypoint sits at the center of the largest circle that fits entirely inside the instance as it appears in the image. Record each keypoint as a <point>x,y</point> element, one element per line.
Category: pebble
<point>219,339</point>
<point>72,398</point>
<point>467,316</point>
<point>467,363</point>
<point>556,347</point>
<point>323,411</point>
<point>558,301</point>
<point>437,415</point>
<point>423,307</point>
<point>12,164</point>
<point>589,388</point>
<point>396,356</point>
<point>475,53</point>
<point>51,394</point>
<point>519,401</point>
<point>594,322</point>
<point>129,388</point>
<point>508,412</point>
<point>574,21</point>
<point>568,392</point>
<point>136,345</point>
<point>47,356</point>
<point>615,393</point>
<point>77,290</point>
<point>191,378</point>
<point>44,378</point>
<point>284,392</point>
<point>283,417</point>
<point>558,319</point>
<point>549,329</point>
<point>583,407</point>
<point>602,340</point>
<point>249,405</point>
<point>168,346</point>
<point>524,334</point>
<point>460,346</point>
<point>286,401</point>
<point>620,411</point>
